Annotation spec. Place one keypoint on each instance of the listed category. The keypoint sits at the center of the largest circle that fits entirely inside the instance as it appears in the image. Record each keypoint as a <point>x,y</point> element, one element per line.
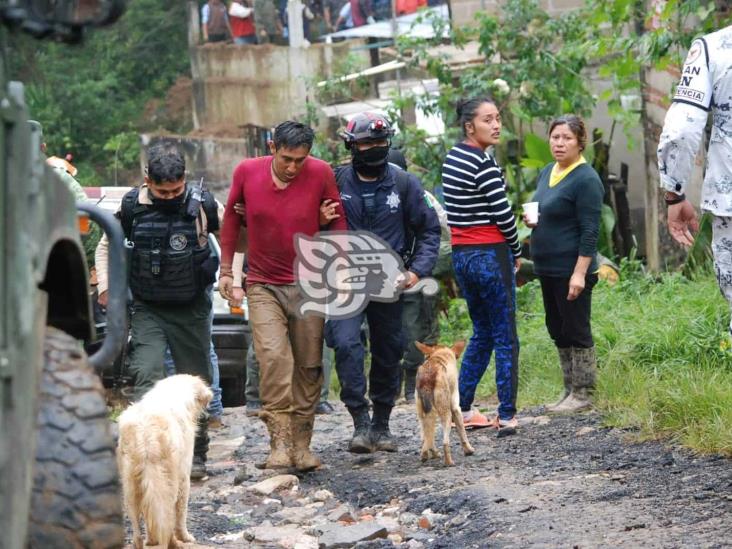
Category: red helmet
<point>367,126</point>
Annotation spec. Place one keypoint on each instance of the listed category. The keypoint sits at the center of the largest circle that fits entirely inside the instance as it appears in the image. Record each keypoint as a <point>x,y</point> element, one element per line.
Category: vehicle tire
<point>76,501</point>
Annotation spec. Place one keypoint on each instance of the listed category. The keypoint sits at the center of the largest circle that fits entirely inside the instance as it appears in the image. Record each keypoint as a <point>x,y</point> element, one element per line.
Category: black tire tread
<point>76,501</point>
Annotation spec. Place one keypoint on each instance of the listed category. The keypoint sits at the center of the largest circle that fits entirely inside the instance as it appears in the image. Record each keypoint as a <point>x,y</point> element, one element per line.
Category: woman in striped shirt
<point>486,253</point>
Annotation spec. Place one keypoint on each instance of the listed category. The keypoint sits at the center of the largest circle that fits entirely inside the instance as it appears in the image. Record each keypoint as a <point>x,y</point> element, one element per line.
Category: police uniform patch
<point>393,201</point>
<point>695,86</point>
<point>178,242</point>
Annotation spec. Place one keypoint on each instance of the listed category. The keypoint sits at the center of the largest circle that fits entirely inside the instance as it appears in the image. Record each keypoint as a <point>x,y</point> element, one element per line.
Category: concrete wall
<point>259,85</point>
<point>463,11</point>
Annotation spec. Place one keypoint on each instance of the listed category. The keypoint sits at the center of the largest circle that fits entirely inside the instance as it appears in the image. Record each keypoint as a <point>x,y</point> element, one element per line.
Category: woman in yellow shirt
<point>563,248</point>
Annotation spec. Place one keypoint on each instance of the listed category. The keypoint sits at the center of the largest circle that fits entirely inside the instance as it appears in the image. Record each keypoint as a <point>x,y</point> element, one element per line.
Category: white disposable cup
<point>531,209</point>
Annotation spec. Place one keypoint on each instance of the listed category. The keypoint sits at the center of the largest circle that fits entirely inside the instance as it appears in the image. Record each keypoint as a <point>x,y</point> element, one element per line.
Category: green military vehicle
<point>59,485</point>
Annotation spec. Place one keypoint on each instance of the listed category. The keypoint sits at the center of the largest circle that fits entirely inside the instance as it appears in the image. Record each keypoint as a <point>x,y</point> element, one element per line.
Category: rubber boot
<point>280,440</point>
<point>565,361</point>
<point>584,372</point>
<point>381,437</point>
<point>302,433</point>
<point>200,449</point>
<point>361,441</point>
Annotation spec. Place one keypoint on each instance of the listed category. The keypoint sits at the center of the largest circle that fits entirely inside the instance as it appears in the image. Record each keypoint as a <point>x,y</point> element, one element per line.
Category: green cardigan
<point>569,221</point>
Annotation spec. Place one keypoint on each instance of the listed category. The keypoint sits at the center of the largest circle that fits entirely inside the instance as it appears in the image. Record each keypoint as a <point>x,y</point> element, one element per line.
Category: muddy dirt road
<point>560,482</point>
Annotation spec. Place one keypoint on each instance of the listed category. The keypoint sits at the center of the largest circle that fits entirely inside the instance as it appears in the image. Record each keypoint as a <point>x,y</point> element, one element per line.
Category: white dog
<point>154,454</point>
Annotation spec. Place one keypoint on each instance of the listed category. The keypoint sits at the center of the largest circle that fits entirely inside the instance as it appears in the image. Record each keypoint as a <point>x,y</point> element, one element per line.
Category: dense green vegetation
<point>94,99</point>
<point>663,352</point>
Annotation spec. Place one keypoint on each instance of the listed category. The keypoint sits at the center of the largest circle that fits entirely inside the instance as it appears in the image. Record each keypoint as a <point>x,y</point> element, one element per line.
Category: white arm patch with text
<point>695,86</point>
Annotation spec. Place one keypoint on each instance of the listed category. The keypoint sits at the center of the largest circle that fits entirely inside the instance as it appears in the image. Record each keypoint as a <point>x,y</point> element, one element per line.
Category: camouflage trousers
<point>722,250</point>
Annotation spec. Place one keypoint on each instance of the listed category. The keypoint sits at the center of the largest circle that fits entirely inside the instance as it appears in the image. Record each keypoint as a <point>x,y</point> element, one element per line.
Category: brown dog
<point>437,397</point>
<point>154,454</point>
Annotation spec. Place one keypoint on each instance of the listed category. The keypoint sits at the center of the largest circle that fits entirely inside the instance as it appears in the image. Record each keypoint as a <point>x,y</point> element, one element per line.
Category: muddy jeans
<point>288,348</point>
<point>252,387</point>
<point>722,249</point>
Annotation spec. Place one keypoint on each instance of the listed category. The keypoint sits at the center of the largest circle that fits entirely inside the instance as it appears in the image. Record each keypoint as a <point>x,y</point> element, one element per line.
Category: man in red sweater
<point>283,194</point>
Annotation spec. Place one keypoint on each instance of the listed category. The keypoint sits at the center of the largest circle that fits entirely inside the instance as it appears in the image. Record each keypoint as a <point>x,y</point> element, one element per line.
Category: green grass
<point>662,344</point>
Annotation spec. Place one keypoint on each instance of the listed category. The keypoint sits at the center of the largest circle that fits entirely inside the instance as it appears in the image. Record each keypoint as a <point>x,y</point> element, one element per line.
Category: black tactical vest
<point>167,263</point>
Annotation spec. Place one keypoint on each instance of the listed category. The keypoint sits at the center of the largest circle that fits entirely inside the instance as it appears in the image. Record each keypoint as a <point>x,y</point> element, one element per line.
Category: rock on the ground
<point>336,535</point>
<point>322,495</point>
<point>294,515</point>
<point>267,486</point>
<point>285,536</point>
<point>306,542</point>
<point>342,513</point>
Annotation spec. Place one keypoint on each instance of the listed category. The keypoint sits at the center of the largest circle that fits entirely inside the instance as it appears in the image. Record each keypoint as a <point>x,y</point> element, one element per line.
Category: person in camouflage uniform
<point>266,21</point>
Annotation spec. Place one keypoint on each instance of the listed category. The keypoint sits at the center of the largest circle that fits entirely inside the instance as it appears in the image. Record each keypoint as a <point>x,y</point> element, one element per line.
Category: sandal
<point>506,427</point>
<point>477,421</point>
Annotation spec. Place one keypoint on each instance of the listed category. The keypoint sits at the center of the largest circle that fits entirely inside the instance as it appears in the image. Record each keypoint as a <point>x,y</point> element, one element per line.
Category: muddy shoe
<point>584,372</point>
<point>280,440</point>
<point>361,441</point>
<point>383,440</point>
<point>302,433</point>
<point>198,469</point>
<point>381,437</point>
<point>565,360</point>
<point>573,403</point>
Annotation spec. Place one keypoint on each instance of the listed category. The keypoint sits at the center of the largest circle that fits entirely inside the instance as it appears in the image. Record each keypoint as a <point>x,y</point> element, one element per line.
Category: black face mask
<point>371,162</point>
<point>169,205</point>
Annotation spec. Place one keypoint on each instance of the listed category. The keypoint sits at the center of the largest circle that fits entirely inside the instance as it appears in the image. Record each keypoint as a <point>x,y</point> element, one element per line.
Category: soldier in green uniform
<point>167,223</point>
<point>266,21</point>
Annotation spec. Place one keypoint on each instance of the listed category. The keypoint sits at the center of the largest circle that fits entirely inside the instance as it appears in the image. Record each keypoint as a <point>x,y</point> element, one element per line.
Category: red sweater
<point>274,216</point>
<point>241,26</point>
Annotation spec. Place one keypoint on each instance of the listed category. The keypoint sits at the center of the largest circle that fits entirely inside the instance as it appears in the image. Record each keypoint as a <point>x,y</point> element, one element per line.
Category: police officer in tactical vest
<point>390,203</point>
<point>166,222</point>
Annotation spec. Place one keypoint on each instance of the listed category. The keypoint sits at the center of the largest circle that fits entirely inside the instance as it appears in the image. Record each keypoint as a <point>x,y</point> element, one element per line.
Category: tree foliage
<point>625,37</point>
<point>91,98</point>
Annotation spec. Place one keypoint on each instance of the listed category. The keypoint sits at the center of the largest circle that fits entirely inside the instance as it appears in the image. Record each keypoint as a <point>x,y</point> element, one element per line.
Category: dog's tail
<point>159,487</point>
<point>426,379</point>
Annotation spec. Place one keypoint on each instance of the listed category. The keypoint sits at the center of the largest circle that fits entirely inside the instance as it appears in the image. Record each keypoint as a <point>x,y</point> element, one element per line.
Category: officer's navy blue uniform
<point>400,215</point>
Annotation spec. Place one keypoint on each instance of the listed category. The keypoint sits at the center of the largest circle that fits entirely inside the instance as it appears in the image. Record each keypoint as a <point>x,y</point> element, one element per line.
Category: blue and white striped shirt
<point>475,193</point>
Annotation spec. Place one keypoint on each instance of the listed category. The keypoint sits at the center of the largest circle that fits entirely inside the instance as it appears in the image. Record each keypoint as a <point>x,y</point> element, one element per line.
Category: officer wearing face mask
<point>387,201</point>
<point>167,222</point>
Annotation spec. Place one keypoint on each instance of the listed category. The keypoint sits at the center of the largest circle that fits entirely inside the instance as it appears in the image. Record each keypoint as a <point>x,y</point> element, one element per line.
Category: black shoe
<point>198,469</point>
<point>381,437</point>
<point>361,441</point>
<point>324,408</point>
